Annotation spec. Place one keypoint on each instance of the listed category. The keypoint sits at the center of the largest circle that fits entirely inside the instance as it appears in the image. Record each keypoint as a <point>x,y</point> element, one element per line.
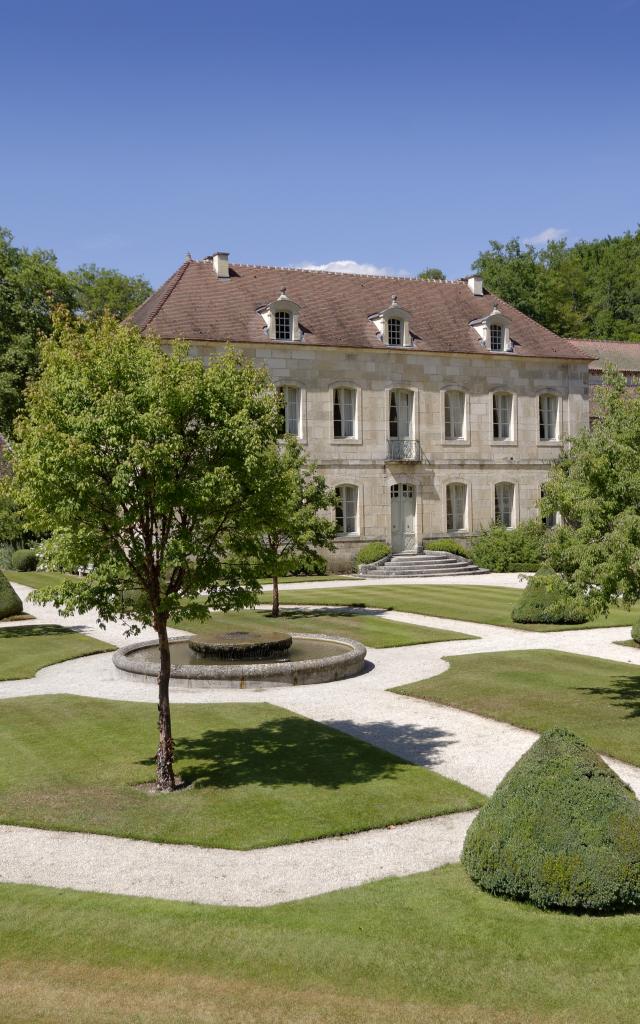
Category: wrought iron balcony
<point>404,450</point>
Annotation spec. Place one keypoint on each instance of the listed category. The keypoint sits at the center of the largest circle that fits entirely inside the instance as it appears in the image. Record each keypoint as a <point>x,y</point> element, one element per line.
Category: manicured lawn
<point>491,605</point>
<point>370,630</point>
<point>25,649</point>
<point>597,699</point>
<point>36,580</point>
<point>259,775</point>
<point>428,949</point>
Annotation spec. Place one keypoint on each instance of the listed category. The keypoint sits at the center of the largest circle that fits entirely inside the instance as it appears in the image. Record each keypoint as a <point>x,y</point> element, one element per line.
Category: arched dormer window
<point>392,325</point>
<point>494,331</point>
<point>281,317</point>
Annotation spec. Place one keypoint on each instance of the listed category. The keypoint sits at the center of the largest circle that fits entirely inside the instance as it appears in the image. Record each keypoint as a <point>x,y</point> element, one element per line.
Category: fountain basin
<point>312,658</point>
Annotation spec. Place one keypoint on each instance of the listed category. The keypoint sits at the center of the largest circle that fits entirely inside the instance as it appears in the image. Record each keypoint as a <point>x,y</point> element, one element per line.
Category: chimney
<point>221,264</point>
<point>474,283</point>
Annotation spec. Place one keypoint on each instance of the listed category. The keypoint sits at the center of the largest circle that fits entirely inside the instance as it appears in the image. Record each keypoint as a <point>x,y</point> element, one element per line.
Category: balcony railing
<point>403,450</point>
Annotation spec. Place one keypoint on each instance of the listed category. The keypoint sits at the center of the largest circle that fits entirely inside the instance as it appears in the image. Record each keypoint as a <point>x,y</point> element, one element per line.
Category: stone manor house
<point>433,408</point>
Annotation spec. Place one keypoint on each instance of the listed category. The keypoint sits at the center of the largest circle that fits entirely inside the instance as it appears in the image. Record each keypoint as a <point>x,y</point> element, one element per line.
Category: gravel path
<point>459,745</point>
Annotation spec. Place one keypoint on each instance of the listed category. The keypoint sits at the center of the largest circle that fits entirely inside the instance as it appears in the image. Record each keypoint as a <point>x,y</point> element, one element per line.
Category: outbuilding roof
<point>625,355</point>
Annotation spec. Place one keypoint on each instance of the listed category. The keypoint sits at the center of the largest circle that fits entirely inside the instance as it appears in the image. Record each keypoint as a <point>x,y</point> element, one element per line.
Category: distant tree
<point>153,471</point>
<point>9,528</point>
<point>297,528</point>
<point>98,290</point>
<point>432,274</point>
<point>31,284</point>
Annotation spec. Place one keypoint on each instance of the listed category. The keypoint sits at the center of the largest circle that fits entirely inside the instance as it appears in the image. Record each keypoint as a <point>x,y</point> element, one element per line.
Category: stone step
<point>472,570</point>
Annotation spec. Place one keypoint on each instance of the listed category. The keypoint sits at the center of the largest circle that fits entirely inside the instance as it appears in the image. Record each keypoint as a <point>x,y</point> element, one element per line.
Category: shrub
<point>24,560</point>
<point>10,603</point>
<point>311,565</point>
<point>372,552</point>
<point>454,547</point>
<point>546,599</point>
<point>635,632</point>
<point>517,550</point>
<point>561,830</point>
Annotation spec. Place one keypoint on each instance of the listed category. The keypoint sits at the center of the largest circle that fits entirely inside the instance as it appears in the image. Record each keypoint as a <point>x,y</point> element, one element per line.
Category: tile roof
<point>625,355</point>
<point>334,310</point>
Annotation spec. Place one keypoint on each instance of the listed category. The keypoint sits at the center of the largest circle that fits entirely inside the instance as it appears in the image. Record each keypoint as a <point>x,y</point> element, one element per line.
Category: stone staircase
<point>428,563</point>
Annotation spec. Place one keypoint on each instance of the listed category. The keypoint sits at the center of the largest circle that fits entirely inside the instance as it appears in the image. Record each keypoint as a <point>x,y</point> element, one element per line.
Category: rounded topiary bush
<point>520,549</point>
<point>452,546</point>
<point>10,603</point>
<point>635,632</point>
<point>372,552</point>
<point>546,599</point>
<point>24,560</point>
<point>561,831</point>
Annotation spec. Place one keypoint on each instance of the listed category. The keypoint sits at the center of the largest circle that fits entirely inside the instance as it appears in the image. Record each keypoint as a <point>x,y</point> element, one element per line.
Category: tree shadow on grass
<point>623,691</point>
<point>42,629</point>
<point>288,751</point>
<point>330,611</point>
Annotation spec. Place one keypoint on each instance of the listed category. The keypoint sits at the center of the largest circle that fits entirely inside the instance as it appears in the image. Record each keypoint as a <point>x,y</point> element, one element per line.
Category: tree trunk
<point>165,779</point>
<point>275,602</point>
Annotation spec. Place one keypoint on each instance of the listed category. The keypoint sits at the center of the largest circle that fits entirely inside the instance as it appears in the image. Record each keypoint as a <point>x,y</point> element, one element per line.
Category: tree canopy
<point>586,290</point>
<point>432,274</point>
<point>97,290</point>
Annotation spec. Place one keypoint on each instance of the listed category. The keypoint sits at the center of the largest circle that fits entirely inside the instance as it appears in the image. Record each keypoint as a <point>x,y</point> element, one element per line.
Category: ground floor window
<point>456,507</point>
<point>347,509</point>
<point>504,504</point>
<point>290,423</point>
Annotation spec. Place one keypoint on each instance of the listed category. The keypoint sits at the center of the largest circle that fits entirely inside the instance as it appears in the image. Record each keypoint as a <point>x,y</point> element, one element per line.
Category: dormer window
<point>494,331</point>
<point>497,342</point>
<point>283,325</point>
<point>392,325</point>
<point>394,331</point>
<point>281,318</point>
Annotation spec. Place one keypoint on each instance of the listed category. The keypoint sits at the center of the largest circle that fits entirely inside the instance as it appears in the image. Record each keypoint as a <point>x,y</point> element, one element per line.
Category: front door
<point>403,517</point>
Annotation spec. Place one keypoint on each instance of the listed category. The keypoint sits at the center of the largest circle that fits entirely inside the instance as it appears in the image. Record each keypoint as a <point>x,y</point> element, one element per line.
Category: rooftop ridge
<point>338,273</point>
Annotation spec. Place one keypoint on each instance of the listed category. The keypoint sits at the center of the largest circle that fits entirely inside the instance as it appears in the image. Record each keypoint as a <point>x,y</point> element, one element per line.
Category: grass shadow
<point>624,692</point>
<point>42,629</point>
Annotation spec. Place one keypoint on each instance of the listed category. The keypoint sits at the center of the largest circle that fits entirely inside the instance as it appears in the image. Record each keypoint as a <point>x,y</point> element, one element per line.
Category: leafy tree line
<point>31,286</point>
<point>586,290</point>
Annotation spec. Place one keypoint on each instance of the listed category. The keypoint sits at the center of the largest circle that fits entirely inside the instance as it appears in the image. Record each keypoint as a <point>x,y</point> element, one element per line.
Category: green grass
<point>368,629</point>
<point>259,775</point>
<point>598,700</point>
<point>25,649</point>
<point>491,605</point>
<point>36,580</point>
<point>428,949</point>
<point>267,581</point>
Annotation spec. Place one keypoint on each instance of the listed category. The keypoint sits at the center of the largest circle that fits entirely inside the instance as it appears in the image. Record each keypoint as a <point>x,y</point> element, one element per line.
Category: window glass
<point>290,423</point>
<point>454,415</point>
<point>400,414</point>
<point>344,410</point>
<point>495,333</point>
<point>456,507</point>
<point>347,509</point>
<point>502,409</point>
<point>283,325</point>
<point>395,330</point>
<point>504,504</point>
<point>548,417</point>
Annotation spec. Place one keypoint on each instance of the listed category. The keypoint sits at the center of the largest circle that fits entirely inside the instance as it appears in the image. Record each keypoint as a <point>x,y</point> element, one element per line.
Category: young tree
<point>98,290</point>
<point>432,274</point>
<point>595,485</point>
<point>296,527</point>
<point>152,471</point>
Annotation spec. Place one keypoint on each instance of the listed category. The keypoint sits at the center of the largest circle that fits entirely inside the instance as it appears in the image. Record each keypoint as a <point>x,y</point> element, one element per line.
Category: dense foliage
<point>635,632</point>
<point>453,547</point>
<point>10,603</point>
<point>586,290</point>
<point>372,552</point>
<point>24,560</point>
<point>562,830</point>
<point>547,599</point>
<point>97,290</point>
<point>520,549</point>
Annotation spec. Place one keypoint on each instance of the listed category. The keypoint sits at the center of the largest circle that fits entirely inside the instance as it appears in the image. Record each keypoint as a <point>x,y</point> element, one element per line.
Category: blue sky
<point>395,135</point>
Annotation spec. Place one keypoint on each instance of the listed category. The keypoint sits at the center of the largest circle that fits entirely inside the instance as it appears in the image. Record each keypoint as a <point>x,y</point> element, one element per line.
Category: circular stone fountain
<point>250,660</point>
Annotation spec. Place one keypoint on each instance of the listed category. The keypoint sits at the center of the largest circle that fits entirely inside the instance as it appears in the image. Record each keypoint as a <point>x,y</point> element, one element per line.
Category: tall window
<point>344,412</point>
<point>502,416</point>
<point>401,415</point>
<point>290,423</point>
<point>504,504</point>
<point>496,337</point>
<point>283,325</point>
<point>346,509</point>
<point>454,415</point>
<point>395,331</point>
<point>549,417</point>
<point>456,507</point>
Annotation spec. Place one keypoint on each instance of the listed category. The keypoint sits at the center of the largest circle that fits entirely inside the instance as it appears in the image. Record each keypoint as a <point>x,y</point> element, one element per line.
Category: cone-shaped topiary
<point>10,603</point>
<point>546,598</point>
<point>561,830</point>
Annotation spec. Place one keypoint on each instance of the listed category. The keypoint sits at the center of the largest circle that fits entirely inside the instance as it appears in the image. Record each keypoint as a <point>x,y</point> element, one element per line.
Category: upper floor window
<point>282,319</point>
<point>344,412</point>
<point>502,416</point>
<point>392,324</point>
<point>495,331</point>
<point>395,331</point>
<point>454,415</point>
<point>346,509</point>
<point>401,415</point>
<point>283,325</point>
<point>290,423</point>
<point>549,407</point>
<point>456,507</point>
<point>504,495</point>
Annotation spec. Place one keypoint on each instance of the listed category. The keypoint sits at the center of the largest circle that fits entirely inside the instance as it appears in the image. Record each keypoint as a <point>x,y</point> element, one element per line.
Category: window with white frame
<point>502,416</point>
<point>504,495</point>
<point>456,508</point>
<point>290,422</point>
<point>344,412</point>
<point>454,415</point>
<point>283,325</point>
<point>549,409</point>
<point>395,331</point>
<point>496,337</point>
<point>401,415</point>
<point>346,509</point>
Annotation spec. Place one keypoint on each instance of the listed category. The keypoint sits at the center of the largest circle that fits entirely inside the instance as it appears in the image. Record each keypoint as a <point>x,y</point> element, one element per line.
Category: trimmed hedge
<point>546,599</point>
<point>518,550</point>
<point>24,560</point>
<point>372,552</point>
<point>452,546</point>
<point>10,603</point>
<point>635,632</point>
<point>562,831</point>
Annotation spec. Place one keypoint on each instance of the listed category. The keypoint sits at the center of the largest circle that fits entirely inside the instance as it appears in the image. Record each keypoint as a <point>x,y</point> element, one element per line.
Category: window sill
<point>455,442</point>
<point>550,444</point>
<point>345,537</point>
<point>346,440</point>
<point>509,443</point>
